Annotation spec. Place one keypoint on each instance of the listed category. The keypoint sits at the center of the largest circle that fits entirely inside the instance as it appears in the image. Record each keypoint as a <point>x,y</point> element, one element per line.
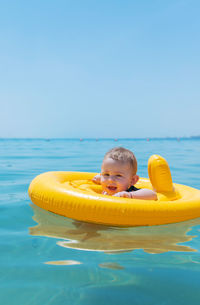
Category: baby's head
<point>118,170</point>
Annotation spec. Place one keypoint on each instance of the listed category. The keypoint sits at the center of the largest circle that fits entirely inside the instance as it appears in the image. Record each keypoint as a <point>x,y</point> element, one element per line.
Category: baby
<point>118,176</point>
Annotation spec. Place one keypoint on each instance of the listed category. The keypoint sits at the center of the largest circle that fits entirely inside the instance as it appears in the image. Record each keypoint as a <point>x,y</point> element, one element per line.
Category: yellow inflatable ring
<point>74,195</point>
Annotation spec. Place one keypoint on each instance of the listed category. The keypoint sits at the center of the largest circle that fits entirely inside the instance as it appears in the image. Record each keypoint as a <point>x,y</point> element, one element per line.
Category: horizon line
<point>100,138</point>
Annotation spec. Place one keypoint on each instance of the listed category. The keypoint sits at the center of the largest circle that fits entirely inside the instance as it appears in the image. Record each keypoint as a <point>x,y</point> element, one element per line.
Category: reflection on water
<point>66,262</point>
<point>114,266</point>
<point>85,236</point>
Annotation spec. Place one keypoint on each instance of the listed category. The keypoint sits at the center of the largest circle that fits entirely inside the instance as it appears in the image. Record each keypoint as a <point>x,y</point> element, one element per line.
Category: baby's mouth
<point>112,188</point>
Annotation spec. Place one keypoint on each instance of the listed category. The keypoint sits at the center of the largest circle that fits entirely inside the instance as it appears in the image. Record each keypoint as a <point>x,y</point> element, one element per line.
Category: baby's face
<point>116,176</point>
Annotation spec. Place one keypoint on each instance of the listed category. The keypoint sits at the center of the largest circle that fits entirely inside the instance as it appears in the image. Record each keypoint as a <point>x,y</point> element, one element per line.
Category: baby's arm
<point>145,194</point>
<point>97,179</point>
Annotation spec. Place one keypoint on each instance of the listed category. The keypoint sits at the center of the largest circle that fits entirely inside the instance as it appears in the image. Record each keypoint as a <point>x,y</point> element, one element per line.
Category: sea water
<point>49,259</point>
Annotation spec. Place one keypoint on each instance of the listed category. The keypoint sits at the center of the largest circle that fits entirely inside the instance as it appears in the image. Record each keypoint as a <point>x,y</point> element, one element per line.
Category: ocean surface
<point>49,259</point>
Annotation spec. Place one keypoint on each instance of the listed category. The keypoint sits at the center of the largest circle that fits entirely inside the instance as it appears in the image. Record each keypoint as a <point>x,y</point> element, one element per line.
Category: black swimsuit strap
<point>132,189</point>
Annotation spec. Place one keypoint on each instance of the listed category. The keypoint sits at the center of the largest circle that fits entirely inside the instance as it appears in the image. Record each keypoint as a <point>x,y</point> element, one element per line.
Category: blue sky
<point>109,68</point>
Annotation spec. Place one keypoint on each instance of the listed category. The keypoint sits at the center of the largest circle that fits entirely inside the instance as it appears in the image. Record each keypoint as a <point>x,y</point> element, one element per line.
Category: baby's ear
<point>135,179</point>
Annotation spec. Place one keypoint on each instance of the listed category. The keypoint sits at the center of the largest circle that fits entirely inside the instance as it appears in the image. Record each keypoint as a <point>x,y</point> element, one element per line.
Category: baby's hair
<point>123,155</point>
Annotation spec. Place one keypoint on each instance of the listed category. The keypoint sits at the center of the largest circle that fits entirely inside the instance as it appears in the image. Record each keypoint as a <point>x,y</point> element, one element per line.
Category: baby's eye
<point>119,176</point>
<point>106,175</point>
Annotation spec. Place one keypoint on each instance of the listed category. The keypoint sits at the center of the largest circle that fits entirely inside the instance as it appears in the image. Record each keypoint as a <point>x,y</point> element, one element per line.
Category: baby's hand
<point>124,194</point>
<point>97,179</point>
